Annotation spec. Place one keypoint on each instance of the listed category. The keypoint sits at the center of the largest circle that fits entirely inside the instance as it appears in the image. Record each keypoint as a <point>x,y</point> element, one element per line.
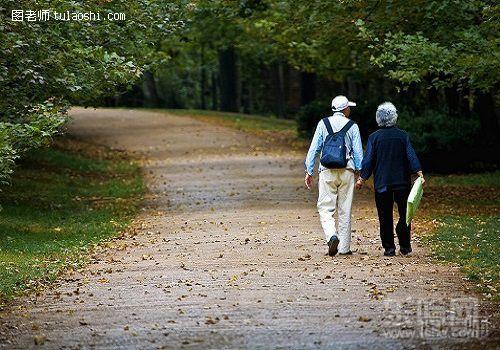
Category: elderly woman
<point>392,159</point>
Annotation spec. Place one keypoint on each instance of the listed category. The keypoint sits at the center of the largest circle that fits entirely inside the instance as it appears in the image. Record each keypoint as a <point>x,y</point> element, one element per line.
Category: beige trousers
<point>336,190</point>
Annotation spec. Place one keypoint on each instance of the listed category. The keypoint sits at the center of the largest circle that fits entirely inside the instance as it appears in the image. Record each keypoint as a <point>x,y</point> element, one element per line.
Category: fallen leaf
<point>364,319</point>
<point>40,339</point>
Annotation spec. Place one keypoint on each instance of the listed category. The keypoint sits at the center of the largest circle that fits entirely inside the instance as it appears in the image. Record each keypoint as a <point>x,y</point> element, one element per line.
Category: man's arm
<point>314,150</point>
<point>357,148</point>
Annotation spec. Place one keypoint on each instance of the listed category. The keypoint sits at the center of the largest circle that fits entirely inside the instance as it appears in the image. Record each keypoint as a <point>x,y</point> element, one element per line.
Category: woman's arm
<point>415,166</point>
<point>367,165</point>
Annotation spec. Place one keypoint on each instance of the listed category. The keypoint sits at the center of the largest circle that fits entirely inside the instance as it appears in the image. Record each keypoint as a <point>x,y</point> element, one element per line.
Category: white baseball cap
<point>340,103</point>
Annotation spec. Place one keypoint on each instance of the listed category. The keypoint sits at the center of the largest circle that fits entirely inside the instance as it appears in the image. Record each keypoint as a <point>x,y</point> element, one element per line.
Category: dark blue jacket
<point>391,158</point>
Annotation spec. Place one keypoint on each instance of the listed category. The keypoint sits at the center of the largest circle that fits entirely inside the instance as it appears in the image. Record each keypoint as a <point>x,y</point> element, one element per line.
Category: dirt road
<point>229,254</point>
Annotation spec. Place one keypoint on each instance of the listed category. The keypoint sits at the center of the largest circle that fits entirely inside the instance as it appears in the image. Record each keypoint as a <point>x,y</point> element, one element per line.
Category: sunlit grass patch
<point>489,179</point>
<point>471,243</point>
<point>62,200</point>
<point>244,122</point>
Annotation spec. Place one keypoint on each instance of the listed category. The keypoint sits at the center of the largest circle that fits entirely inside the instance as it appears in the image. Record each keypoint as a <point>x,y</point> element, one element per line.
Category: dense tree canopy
<point>438,60</point>
<point>447,43</point>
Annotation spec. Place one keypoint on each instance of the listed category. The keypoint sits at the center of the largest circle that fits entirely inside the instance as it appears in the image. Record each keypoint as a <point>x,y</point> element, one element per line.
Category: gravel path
<point>228,253</point>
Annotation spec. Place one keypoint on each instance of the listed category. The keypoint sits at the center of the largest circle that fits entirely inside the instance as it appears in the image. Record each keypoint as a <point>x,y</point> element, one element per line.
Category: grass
<point>469,237</point>
<point>472,243</point>
<point>62,201</point>
<point>491,179</point>
<point>244,122</point>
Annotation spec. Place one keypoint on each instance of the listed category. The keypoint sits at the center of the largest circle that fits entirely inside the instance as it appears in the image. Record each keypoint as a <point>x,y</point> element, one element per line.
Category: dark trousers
<point>385,203</point>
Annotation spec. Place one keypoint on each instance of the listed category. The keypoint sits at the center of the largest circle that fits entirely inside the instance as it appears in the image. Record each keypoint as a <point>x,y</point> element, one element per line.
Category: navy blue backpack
<point>334,153</point>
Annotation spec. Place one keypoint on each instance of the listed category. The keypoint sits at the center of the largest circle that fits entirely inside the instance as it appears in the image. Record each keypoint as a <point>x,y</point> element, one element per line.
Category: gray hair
<point>386,115</point>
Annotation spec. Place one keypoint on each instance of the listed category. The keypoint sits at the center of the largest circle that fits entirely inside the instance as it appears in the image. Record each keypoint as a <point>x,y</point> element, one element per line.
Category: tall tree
<point>228,73</point>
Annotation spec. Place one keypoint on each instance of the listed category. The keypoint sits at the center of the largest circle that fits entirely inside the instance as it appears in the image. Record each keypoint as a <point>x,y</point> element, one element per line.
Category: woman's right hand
<point>421,175</point>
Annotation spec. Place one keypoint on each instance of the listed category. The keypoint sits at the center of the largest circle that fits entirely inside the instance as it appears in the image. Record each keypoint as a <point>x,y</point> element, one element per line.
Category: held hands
<point>359,183</point>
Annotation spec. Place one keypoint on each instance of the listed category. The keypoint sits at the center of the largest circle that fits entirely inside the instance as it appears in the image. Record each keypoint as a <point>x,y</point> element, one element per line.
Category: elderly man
<point>392,159</point>
<point>338,139</point>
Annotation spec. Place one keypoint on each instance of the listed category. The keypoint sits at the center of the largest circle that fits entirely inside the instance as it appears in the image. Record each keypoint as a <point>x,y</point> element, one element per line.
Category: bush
<point>7,156</point>
<point>309,115</point>
<point>34,129</point>
<point>446,143</point>
<point>437,131</point>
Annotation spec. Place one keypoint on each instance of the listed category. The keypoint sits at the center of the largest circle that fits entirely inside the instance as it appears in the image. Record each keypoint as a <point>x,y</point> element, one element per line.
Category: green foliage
<point>7,157</point>
<point>433,130</point>
<point>48,64</point>
<point>442,43</point>
<point>59,204</point>
<point>314,36</point>
<point>35,129</point>
<point>400,50</point>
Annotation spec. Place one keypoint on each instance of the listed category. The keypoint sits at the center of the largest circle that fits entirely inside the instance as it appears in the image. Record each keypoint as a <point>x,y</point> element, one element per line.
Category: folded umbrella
<point>414,199</point>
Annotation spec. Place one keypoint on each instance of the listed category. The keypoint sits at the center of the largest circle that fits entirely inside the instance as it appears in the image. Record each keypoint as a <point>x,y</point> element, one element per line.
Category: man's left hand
<point>308,181</point>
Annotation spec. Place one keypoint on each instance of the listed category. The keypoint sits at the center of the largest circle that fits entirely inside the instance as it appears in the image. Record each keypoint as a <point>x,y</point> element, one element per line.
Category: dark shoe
<point>405,251</point>
<point>346,253</point>
<point>333,245</point>
<point>390,252</point>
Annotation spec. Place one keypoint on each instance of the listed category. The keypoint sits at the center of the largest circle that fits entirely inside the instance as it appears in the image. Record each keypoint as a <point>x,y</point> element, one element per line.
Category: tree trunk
<point>465,98</point>
<point>352,91</point>
<point>250,98</point>
<point>452,100</point>
<point>433,97</point>
<point>228,80</point>
<point>213,89</point>
<point>307,88</point>
<point>203,78</point>
<point>280,90</point>
<point>485,108</point>
<point>151,98</point>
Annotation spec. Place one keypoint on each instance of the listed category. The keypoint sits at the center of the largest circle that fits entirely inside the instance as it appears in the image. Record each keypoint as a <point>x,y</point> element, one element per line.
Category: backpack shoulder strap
<point>328,126</point>
<point>346,127</point>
